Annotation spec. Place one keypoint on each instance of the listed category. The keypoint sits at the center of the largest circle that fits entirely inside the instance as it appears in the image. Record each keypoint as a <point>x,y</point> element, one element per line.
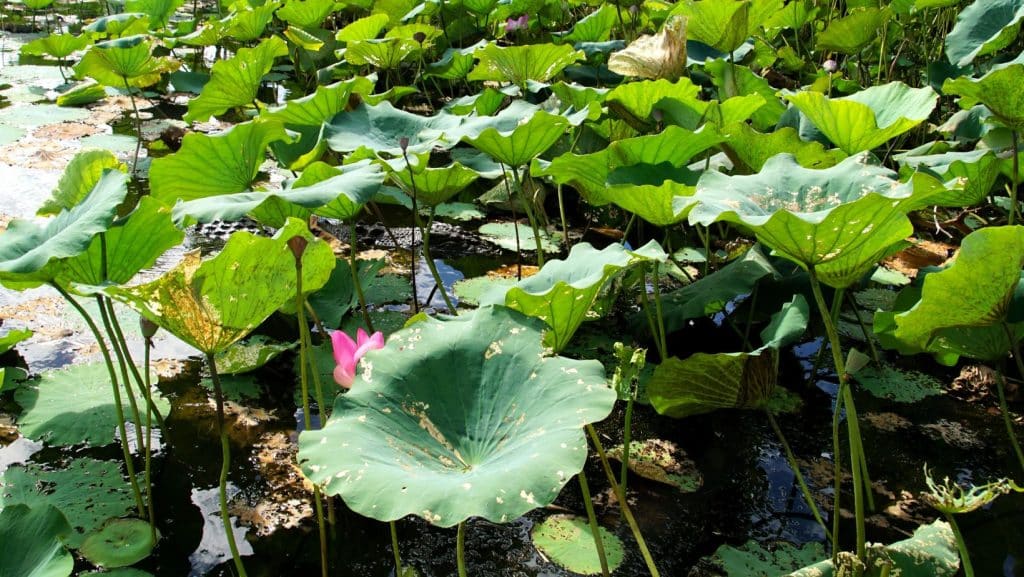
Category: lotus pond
<point>511,287</point>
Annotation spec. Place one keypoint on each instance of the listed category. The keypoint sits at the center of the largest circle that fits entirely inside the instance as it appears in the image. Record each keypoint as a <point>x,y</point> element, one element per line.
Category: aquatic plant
<point>348,352</point>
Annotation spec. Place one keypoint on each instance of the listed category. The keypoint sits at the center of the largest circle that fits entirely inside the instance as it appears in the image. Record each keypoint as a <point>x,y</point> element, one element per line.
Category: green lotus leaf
<point>930,552</point>
<point>996,91</point>
<point>455,63</point>
<point>661,461</point>
<point>13,337</point>
<point>36,4</point>
<point>208,34</point>
<point>365,28</point>
<point>517,64</point>
<point>132,244</point>
<point>721,24</point>
<point>432,186</point>
<point>649,191</point>
<point>970,175</point>
<point>33,544</point>
<point>71,406</point>
<point>213,303</point>
<point>869,118</point>
<point>338,296</point>
<point>461,211</point>
<point>11,378</point>
<point>749,149</point>
<point>125,61</point>
<point>979,27</point>
<point>523,143</point>
<point>119,572</point>
<point>705,382</point>
<point>636,100</point>
<point>733,80</point>
<point>82,93</point>
<point>503,234</point>
<point>588,173</point>
<point>219,164</point>
<point>594,27</point>
<point>504,433</point>
<point>159,11</point>
<point>27,247</point>
<point>306,13</point>
<point>855,31</point>
<point>121,542</point>
<point>569,543</point>
<point>341,196</point>
<point>819,219</point>
<point>247,22</point>
<point>383,53</point>
<point>711,294</point>
<point>56,45</point>
<point>304,40</point>
<point>564,292</point>
<point>249,355</point>
<point>902,386</point>
<point>87,491</point>
<point>381,127</point>
<point>752,558</point>
<point>235,81</point>
<point>322,105</point>
<point>958,305</point>
<point>662,55</point>
<point>79,178</point>
<point>116,25</point>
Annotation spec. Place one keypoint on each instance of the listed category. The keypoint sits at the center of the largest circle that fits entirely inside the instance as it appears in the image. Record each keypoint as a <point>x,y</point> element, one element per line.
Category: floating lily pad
<point>471,290</point>
<point>902,386</point>
<point>32,542</point>
<point>568,542</point>
<point>87,491</point>
<point>121,542</point>
<point>411,445</point>
<point>662,461</point>
<point>752,558</point>
<point>463,211</point>
<point>72,406</point>
<point>241,389</point>
<point>388,288</point>
<point>503,234</point>
<point>9,134</point>
<point>25,117</point>
<point>249,355</point>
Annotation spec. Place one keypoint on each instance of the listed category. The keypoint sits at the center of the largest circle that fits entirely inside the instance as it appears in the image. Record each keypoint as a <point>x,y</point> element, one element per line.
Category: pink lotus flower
<point>521,23</point>
<point>347,353</point>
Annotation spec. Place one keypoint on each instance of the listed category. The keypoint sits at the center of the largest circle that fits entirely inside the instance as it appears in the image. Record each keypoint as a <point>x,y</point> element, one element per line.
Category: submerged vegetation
<point>674,199</point>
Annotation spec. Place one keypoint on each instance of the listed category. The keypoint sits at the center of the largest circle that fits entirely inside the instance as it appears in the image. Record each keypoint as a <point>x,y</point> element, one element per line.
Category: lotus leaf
<point>568,542</point>
<point>322,105</point>
<point>979,27</point>
<point>249,355</point>
<point>902,386</point>
<point>71,406</point>
<point>127,61</point>
<point>115,25</point>
<point>80,176</point>
<point>235,81</point>
<point>87,491</point>
<point>159,11</point>
<point>306,13</point>
<point>517,64</point>
<point>661,461</point>
<point>56,45</point>
<point>1000,91</point>
<point>28,247</point>
<point>523,143</point>
<point>869,118</point>
<point>637,100</point>
<point>594,27</point>
<point>749,149</point>
<point>721,24</point>
<point>504,235</point>
<point>13,337</point>
<point>341,196</point>
<point>208,34</point>
<point>33,544</point>
<point>504,433</point>
<point>660,56</point>
<point>383,53</point>
<point>455,63</point>
<point>247,22</point>
<point>706,382</point>
<point>963,309</point>
<point>211,304</point>
<point>751,558</point>
<point>210,165</point>
<point>649,190</point>
<point>733,80</point>
<point>119,543</point>
<point>969,176</point>
<point>125,248</point>
<point>365,28</point>
<point>855,31</point>
<point>930,552</point>
<point>816,218</point>
<point>81,94</point>
<point>433,186</point>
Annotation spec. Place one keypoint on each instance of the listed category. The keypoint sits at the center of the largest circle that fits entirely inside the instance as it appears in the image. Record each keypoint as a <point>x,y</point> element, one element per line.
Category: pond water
<point>747,491</point>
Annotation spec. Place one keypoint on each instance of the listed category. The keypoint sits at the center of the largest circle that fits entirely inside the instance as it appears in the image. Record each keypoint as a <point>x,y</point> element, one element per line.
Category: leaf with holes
<point>569,543</point>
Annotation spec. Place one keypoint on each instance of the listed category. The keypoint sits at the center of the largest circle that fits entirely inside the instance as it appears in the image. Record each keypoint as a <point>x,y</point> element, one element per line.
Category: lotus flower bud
<point>830,66</point>
<point>147,327</point>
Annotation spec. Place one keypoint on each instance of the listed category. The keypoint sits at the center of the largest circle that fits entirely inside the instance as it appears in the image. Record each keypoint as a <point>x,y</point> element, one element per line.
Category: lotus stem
<point>304,349</point>
<point>460,549</point>
<point>864,329</point>
<point>136,418</point>
<point>394,548</point>
<point>118,407</point>
<point>515,224</point>
<point>356,282</point>
<point>621,496</point>
<point>853,428</point>
<point>791,459</point>
<point>121,342</point>
<point>138,126</point>
<point>663,343</point>
<point>651,322</point>
<point>627,440</point>
<point>1004,408</point>
<point>588,504</point>
<point>225,466</point>
<point>961,545</point>
<point>148,344</point>
<point>530,216</point>
<point>1016,176</point>
<point>561,215</point>
<point>439,283</point>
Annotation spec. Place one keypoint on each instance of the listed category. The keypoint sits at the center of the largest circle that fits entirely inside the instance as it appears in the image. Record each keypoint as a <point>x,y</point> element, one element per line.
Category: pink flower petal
<point>344,376</point>
<point>367,344</point>
<point>343,346</point>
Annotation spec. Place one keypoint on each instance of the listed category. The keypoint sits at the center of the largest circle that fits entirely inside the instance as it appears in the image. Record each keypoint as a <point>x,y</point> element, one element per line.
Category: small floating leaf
<point>902,386</point>
<point>568,542</point>
<point>752,558</point>
<point>121,542</point>
<point>662,461</point>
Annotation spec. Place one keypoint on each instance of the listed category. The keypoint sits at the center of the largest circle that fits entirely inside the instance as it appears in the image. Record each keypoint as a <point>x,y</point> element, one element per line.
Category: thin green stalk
<point>962,545</point>
<point>425,233</point>
<point>627,439</point>
<point>136,417</point>
<point>394,548</point>
<point>120,341</point>
<point>1016,176</point>
<point>515,223</point>
<point>588,504</point>
<point>1004,408</point>
<point>659,317</point>
<point>225,466</point>
<point>354,265</point>
<point>149,446</point>
<point>527,206</point>
<point>561,214</point>
<point>621,496</point>
<point>629,227</point>
<point>705,240</point>
<point>791,459</point>
<point>460,549</point>
<point>138,126</point>
<point>864,329</point>
<point>853,429</point>
<point>837,476</point>
<point>118,407</point>
<point>651,323</point>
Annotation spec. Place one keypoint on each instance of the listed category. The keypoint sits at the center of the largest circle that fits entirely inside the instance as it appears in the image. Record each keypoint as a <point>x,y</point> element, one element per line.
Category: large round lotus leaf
<point>968,175</point>
<point>840,220</point>
<point>235,81</point>
<point>320,106</point>
<point>979,28</point>
<point>503,234</point>
<point>1000,90</point>
<point>458,418</point>
<point>569,542</point>
<point>127,60</point>
<point>79,177</point>
<point>523,143</point>
<point>72,406</point>
<point>87,491</point>
<point>56,45</point>
<point>120,543</point>
<point>31,542</point>
<point>517,64</point>
<point>855,31</point>
<point>930,552</point>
